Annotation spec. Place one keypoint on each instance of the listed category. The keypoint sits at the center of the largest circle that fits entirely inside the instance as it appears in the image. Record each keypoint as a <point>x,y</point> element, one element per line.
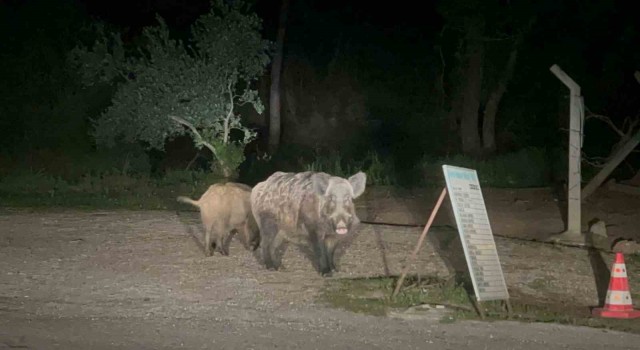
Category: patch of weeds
<point>108,190</point>
<point>332,164</point>
<point>525,168</point>
<point>177,177</point>
<point>633,259</point>
<point>373,295</point>
<point>197,178</point>
<point>379,171</point>
<point>530,309</point>
<point>448,319</point>
<point>540,284</point>
<point>28,182</point>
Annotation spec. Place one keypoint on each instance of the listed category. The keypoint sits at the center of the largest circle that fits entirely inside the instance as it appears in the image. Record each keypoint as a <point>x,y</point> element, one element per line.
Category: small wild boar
<point>312,207</point>
<point>226,209</point>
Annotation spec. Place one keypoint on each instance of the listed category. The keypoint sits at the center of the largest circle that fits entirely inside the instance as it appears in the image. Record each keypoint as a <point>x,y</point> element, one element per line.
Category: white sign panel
<point>475,233</point>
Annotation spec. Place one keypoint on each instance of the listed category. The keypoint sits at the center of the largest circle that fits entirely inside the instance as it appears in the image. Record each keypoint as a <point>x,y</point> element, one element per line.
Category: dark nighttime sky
<point>416,21</point>
<point>182,12</point>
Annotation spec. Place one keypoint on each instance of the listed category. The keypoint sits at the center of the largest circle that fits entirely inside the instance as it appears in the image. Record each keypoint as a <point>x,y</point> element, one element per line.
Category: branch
<point>596,162</point>
<point>444,67</point>
<point>498,38</point>
<point>608,121</point>
<point>229,115</point>
<point>241,103</point>
<point>202,140</point>
<point>518,36</point>
<point>632,125</point>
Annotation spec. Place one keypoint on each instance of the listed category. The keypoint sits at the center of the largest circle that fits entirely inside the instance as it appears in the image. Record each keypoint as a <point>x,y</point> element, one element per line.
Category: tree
<point>629,138</point>
<point>476,23</point>
<point>164,84</point>
<point>276,69</point>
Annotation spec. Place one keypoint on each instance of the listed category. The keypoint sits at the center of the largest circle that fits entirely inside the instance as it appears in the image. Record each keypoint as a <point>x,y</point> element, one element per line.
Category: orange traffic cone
<point>618,302</point>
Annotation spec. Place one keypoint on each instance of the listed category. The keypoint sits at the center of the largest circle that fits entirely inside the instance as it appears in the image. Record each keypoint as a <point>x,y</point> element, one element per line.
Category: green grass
<point>530,167</point>
<point>105,191</point>
<point>633,259</point>
<point>379,171</point>
<point>540,284</point>
<point>121,179</point>
<point>372,296</point>
<point>526,168</point>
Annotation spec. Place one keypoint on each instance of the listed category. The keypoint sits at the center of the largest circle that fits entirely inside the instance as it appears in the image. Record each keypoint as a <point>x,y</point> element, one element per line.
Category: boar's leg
<point>322,254</point>
<point>268,263</point>
<point>220,244</point>
<point>207,225</point>
<point>249,235</point>
<point>331,244</point>
<point>225,241</point>
<point>325,262</point>
<point>217,234</point>
<point>275,251</point>
<point>241,230</point>
<point>207,241</point>
<point>320,250</point>
<point>254,241</point>
<point>268,231</point>
<point>253,232</point>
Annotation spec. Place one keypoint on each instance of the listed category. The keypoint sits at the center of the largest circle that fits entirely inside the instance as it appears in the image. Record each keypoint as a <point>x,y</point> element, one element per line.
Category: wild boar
<point>307,207</point>
<point>225,209</point>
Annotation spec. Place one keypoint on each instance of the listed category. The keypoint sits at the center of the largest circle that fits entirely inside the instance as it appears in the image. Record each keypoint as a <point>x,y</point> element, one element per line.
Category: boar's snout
<point>344,223</point>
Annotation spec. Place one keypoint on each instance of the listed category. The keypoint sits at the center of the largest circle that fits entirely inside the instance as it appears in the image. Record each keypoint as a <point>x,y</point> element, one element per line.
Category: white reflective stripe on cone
<point>619,270</point>
<point>617,297</point>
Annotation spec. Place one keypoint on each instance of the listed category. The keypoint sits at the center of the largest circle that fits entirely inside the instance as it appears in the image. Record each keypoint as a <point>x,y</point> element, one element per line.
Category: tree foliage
<point>200,80</point>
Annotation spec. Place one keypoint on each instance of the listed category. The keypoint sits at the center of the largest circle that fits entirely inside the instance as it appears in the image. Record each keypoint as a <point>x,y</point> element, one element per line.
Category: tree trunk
<point>491,109</point>
<point>635,180</point>
<point>453,118</point>
<point>613,161</point>
<point>276,68</point>
<point>469,130</point>
<point>455,103</point>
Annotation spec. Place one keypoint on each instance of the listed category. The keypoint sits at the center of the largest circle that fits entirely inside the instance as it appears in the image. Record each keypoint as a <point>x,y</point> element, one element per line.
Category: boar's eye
<point>330,204</point>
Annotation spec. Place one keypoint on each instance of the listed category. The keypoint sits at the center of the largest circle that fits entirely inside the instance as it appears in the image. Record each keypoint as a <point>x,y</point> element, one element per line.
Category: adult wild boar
<point>226,209</point>
<point>312,207</point>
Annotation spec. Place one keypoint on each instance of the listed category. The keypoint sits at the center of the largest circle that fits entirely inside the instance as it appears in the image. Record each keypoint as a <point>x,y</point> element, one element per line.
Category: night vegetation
<point>88,92</point>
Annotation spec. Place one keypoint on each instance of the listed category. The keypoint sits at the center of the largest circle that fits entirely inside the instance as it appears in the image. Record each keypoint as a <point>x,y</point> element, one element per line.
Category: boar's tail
<point>188,200</point>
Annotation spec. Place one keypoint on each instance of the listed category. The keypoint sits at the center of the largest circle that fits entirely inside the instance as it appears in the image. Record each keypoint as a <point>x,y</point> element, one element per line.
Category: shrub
<point>528,167</point>
<point>167,84</point>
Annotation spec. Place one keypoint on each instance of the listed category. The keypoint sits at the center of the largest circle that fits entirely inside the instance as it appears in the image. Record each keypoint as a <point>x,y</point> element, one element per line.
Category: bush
<point>167,84</point>
<point>379,172</point>
<point>24,187</point>
<point>528,167</point>
<point>27,182</point>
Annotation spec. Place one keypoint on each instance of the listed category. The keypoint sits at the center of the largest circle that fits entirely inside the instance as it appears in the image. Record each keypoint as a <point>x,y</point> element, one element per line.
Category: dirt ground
<point>139,280</point>
<point>535,213</point>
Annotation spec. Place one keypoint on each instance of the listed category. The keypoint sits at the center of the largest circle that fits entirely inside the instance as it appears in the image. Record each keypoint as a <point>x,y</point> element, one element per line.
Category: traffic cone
<point>618,302</point>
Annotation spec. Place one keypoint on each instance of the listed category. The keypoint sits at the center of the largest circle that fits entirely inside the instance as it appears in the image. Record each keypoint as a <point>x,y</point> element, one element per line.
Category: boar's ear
<point>358,182</point>
<point>320,184</point>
